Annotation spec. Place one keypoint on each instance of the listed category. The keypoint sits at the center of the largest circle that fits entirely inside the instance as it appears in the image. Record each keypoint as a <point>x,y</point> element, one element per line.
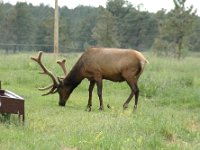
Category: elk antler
<point>55,84</point>
<point>62,65</point>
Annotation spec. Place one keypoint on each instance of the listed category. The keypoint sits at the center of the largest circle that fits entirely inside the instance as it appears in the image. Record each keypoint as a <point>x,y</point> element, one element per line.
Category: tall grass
<point>167,116</point>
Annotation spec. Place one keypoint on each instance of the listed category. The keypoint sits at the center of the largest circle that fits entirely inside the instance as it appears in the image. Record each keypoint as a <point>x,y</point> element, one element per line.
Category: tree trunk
<point>179,42</point>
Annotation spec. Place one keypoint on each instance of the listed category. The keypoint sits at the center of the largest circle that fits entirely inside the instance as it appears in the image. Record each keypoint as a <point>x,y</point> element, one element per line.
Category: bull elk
<point>96,64</point>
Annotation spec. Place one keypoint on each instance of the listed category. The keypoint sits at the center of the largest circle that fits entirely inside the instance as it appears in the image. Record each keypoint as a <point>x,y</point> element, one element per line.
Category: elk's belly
<point>114,77</point>
<point>105,74</point>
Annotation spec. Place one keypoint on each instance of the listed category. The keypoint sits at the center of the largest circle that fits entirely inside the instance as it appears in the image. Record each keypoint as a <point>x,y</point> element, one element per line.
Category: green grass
<point>167,116</point>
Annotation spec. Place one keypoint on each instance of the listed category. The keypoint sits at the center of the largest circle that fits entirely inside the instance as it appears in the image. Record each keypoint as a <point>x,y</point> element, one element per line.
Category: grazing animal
<point>96,64</point>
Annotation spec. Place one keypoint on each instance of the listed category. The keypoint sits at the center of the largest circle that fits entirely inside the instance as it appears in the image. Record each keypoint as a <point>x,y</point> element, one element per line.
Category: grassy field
<point>168,114</point>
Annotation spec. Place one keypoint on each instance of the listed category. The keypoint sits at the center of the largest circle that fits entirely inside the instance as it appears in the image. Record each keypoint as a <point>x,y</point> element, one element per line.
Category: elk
<point>96,64</point>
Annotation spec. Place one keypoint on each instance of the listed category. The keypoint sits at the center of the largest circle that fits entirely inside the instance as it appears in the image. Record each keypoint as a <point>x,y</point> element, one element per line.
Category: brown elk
<point>97,64</point>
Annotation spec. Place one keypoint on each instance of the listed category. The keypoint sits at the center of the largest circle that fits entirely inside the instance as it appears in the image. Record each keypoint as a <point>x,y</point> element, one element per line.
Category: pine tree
<point>24,23</point>
<point>104,31</point>
<point>177,26</point>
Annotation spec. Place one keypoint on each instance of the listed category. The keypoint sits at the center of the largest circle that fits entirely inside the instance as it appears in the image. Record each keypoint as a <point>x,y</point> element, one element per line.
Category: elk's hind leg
<point>134,91</point>
<point>125,106</point>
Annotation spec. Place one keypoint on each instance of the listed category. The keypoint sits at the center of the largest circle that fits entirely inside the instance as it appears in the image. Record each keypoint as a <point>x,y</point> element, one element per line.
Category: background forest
<point>27,27</point>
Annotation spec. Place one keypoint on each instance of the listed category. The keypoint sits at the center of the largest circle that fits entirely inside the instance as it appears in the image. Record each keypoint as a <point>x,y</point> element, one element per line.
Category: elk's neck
<point>74,78</point>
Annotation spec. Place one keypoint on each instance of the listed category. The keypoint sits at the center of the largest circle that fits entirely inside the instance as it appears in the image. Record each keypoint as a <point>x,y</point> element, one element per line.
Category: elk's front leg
<point>91,87</point>
<point>99,92</point>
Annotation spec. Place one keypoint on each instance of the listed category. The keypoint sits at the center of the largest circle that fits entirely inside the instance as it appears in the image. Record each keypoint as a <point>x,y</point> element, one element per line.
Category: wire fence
<point>25,47</point>
<point>13,48</point>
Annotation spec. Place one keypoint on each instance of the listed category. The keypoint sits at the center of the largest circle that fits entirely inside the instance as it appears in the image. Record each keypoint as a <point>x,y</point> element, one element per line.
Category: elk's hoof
<point>100,108</point>
<point>125,106</point>
<point>88,108</point>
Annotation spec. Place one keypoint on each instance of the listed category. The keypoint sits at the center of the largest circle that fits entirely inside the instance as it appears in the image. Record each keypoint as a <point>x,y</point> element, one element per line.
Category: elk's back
<point>110,63</point>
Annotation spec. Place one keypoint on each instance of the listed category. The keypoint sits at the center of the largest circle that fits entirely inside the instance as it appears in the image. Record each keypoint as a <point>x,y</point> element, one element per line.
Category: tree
<point>177,27</point>
<point>10,36</point>
<point>7,27</point>
<point>194,40</point>
<point>85,32</point>
<point>65,33</point>
<point>105,29</point>
<point>118,8</point>
<point>44,36</point>
<point>138,30</point>
<point>24,23</point>
<point>43,18</point>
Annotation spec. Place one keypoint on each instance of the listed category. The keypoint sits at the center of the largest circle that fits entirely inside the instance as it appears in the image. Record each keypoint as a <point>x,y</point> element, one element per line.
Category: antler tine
<point>47,72</point>
<point>38,58</point>
<point>46,88</point>
<point>52,91</point>
<point>62,65</point>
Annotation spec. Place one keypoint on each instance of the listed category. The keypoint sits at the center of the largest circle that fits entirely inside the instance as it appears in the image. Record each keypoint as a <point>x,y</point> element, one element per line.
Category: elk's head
<point>58,84</point>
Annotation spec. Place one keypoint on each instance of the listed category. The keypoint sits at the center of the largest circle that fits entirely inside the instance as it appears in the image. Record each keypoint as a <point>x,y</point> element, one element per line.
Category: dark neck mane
<point>74,78</point>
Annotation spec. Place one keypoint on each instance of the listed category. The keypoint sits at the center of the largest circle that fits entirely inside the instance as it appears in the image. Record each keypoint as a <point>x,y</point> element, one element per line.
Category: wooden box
<point>11,103</point>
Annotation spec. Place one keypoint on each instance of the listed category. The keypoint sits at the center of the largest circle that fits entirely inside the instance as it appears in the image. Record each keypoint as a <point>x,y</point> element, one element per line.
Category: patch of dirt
<point>193,126</point>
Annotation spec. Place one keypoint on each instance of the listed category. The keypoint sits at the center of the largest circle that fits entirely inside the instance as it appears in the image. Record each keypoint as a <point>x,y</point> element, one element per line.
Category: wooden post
<point>56,29</point>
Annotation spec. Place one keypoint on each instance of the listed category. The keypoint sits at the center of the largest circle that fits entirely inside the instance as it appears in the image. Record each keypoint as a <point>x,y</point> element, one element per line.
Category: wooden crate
<point>11,103</point>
